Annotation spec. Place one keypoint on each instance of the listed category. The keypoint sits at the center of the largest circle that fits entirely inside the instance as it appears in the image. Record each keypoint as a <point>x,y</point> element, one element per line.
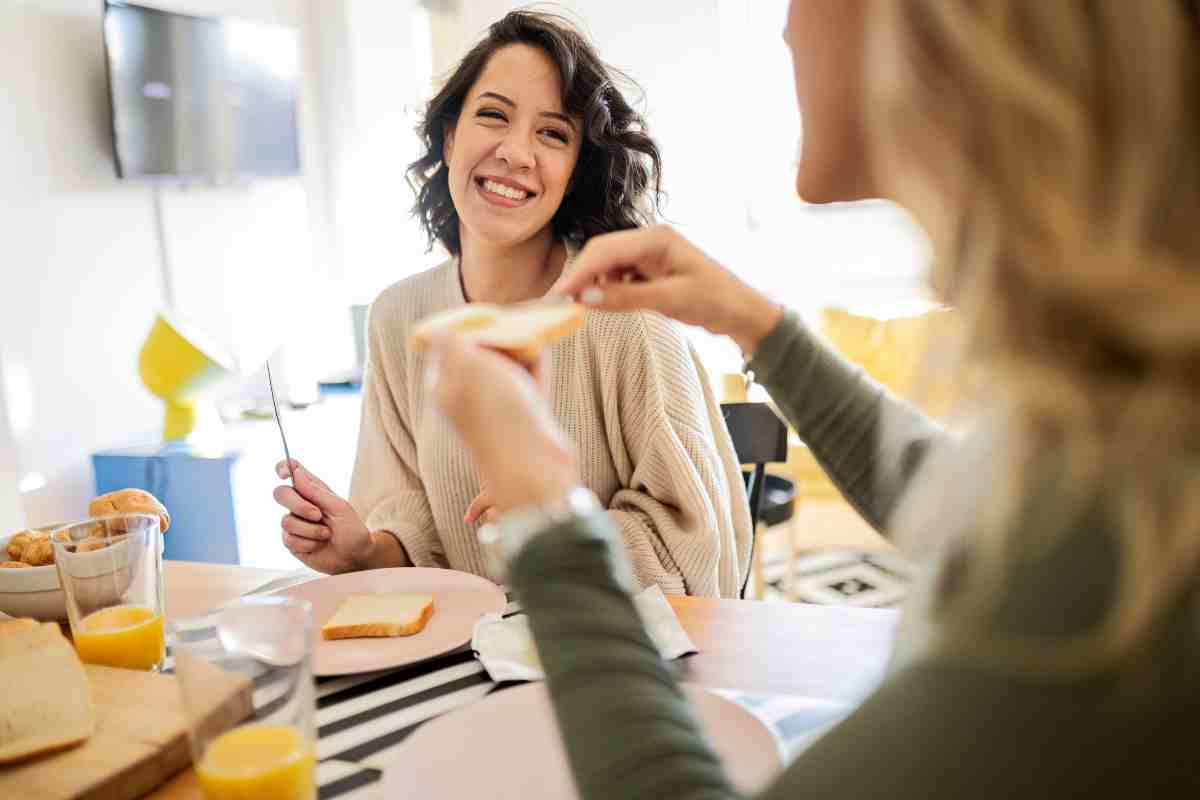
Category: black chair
<point>760,437</point>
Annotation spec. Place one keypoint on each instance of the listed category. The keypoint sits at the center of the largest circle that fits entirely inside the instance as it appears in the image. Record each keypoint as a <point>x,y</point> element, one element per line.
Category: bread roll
<point>91,543</point>
<point>39,552</point>
<point>13,565</point>
<point>17,544</point>
<point>520,331</point>
<point>130,501</point>
<point>45,699</point>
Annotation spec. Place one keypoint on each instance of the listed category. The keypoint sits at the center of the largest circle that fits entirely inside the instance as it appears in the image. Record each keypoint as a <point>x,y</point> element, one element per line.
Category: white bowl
<point>36,591</point>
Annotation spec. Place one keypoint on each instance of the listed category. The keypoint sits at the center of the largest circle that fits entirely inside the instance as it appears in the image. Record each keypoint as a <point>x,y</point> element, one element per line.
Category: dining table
<point>794,665</point>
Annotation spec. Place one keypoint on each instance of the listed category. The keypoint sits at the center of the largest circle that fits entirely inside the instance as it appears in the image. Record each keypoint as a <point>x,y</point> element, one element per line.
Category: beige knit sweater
<point>632,397</point>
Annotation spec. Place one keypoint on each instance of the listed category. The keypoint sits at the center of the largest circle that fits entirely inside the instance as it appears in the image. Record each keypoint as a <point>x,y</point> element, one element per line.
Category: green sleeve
<point>626,726</point>
<point>935,729</point>
<point>869,441</point>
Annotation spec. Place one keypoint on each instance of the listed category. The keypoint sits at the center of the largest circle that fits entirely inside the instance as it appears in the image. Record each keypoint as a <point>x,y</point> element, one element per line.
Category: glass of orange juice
<point>110,569</point>
<point>245,673</point>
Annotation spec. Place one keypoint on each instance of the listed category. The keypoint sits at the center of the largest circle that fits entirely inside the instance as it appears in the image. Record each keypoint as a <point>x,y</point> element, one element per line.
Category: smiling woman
<point>531,150</point>
<point>615,167</point>
<point>510,149</point>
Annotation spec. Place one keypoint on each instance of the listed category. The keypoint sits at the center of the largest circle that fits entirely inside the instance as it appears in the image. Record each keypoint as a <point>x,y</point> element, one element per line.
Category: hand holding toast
<point>659,270</point>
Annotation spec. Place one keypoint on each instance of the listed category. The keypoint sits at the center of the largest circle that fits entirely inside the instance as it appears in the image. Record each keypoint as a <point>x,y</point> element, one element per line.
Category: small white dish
<point>36,591</point>
<point>32,591</point>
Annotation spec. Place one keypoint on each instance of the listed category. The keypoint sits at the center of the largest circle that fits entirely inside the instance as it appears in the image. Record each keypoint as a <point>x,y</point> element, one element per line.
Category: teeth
<point>504,191</point>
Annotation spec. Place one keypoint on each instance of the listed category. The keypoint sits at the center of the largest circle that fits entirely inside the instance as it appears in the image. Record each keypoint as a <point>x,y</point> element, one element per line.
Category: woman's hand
<point>659,270</point>
<point>321,529</point>
<point>502,416</point>
<point>482,509</point>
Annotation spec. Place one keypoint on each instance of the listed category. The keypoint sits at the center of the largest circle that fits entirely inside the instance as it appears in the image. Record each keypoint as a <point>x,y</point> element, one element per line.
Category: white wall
<point>379,75</point>
<point>79,275</point>
<point>12,514</point>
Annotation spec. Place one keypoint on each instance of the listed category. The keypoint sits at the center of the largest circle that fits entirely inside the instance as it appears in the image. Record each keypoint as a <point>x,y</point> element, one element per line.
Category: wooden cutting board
<point>140,739</point>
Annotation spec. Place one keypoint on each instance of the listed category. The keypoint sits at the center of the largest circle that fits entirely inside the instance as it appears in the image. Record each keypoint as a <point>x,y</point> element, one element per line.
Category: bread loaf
<point>45,699</point>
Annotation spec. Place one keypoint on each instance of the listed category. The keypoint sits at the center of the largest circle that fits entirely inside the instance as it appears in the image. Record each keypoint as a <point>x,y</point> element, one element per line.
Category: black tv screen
<point>199,97</point>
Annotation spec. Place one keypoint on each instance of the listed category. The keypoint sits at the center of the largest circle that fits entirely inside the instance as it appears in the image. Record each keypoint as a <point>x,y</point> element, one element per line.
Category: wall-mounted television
<point>200,98</point>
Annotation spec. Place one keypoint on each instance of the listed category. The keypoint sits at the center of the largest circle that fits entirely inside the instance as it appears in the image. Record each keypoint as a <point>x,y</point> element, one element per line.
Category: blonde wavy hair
<point>1052,150</point>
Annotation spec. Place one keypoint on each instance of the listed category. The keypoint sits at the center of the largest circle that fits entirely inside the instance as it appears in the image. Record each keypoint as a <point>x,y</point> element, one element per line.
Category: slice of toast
<point>521,331</point>
<point>45,697</point>
<point>362,615</point>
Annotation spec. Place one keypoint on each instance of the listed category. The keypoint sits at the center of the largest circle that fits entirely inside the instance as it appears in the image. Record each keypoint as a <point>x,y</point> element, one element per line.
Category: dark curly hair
<point>619,167</point>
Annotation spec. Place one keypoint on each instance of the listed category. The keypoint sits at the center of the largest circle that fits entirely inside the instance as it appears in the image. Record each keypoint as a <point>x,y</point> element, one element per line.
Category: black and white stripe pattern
<point>362,719</point>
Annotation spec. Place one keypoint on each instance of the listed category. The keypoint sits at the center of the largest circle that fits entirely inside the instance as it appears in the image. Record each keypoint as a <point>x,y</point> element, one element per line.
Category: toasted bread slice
<point>520,331</point>
<point>45,697</point>
<point>362,615</point>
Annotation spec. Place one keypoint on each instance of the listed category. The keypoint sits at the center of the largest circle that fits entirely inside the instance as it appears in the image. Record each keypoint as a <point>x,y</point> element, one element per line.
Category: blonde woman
<point>1050,148</point>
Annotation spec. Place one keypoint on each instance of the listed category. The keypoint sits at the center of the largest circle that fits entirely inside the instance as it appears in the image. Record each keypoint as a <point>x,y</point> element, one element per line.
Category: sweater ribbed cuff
<point>394,522</point>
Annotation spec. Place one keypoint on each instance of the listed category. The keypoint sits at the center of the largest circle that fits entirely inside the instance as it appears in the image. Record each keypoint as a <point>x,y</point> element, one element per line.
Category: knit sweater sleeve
<point>385,488</point>
<point>867,440</point>
<point>681,509</point>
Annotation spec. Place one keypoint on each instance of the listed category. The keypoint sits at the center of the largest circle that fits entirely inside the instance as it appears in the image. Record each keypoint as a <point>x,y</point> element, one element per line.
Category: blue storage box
<point>195,486</point>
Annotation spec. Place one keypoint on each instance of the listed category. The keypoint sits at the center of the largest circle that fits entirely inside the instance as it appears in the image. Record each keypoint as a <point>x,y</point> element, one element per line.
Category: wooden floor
<point>822,526</point>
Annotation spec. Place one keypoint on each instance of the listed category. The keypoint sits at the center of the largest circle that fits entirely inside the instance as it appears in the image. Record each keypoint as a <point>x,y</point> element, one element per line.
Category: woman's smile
<point>502,192</point>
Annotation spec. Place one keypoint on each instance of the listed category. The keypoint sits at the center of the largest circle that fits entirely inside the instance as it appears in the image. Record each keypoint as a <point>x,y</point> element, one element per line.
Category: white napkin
<point>505,646</point>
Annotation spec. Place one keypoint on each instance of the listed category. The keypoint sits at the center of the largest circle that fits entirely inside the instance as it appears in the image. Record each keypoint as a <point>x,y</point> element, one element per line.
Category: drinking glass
<point>110,569</point>
<point>245,675</point>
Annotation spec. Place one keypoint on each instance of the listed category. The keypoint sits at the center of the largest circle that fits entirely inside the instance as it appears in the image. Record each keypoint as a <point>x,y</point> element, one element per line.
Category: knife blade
<point>279,423</point>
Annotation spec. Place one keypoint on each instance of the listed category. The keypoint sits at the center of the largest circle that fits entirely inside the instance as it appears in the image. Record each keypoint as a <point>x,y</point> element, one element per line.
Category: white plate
<point>459,599</point>
<point>507,747</point>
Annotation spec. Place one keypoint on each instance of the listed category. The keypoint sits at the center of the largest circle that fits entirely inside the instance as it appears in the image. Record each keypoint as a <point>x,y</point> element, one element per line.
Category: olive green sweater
<point>939,726</point>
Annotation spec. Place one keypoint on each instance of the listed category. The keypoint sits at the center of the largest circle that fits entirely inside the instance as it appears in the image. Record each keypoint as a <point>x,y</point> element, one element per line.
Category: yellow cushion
<point>894,352</point>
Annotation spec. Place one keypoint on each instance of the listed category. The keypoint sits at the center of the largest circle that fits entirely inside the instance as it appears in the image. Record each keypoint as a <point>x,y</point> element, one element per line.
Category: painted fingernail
<point>592,295</point>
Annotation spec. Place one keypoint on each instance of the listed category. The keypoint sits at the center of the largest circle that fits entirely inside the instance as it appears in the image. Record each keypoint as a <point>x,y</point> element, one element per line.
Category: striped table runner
<point>362,719</point>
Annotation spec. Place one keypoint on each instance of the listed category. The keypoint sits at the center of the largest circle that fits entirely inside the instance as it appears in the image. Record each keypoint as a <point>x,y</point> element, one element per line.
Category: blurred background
<point>276,251</point>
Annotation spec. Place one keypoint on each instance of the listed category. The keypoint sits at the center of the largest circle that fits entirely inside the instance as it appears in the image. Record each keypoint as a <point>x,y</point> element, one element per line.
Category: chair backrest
<point>759,437</point>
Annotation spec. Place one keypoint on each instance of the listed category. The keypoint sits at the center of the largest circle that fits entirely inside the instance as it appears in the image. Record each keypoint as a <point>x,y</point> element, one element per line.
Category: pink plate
<point>509,743</point>
<point>459,599</point>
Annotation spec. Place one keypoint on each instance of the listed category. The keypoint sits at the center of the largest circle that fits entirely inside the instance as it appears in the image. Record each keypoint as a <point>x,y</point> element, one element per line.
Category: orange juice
<point>259,762</point>
<point>122,636</point>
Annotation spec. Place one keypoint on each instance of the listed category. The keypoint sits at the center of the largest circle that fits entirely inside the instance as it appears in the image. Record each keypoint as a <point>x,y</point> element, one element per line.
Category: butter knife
<point>279,423</point>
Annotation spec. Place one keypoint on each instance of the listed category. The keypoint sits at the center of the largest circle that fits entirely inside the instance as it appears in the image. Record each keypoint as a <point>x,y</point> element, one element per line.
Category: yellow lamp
<point>176,368</point>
